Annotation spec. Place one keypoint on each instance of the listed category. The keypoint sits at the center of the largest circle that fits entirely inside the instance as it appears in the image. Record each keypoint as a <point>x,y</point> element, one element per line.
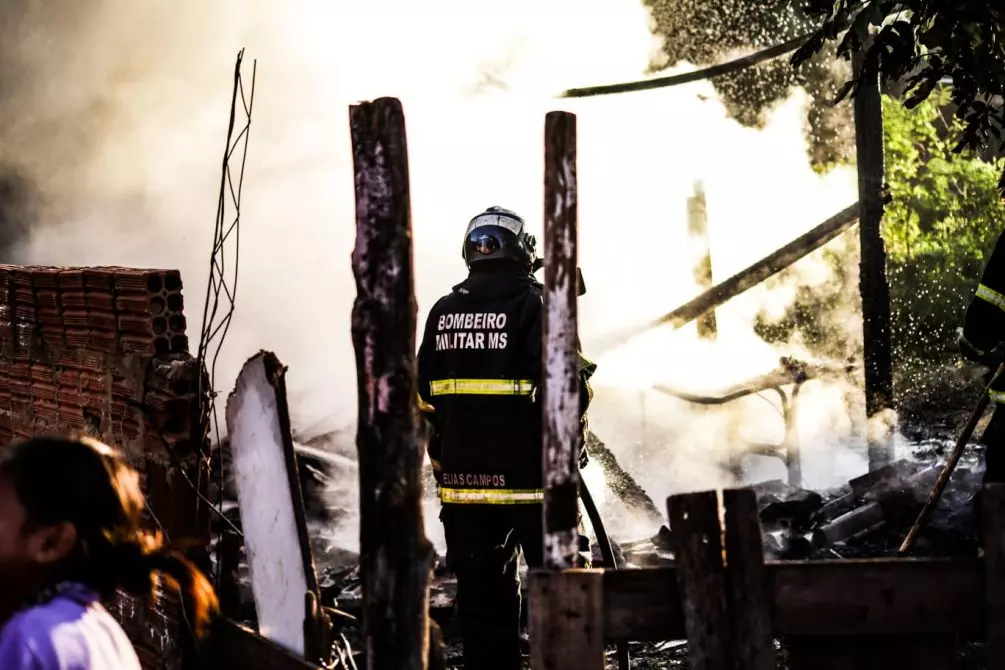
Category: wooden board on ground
<point>270,502</point>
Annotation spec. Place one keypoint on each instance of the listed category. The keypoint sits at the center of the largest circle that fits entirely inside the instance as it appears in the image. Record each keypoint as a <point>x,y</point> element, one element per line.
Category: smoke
<point>115,113</point>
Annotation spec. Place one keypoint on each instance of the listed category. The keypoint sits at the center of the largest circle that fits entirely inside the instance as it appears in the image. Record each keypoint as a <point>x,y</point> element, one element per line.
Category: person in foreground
<point>479,378</point>
<point>70,536</point>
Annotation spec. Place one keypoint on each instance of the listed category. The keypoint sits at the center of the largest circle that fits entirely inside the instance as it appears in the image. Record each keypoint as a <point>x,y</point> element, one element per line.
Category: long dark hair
<point>84,482</point>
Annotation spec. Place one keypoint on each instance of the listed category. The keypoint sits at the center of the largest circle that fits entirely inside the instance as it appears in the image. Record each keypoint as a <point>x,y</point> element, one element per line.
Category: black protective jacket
<point>984,324</point>
<point>479,377</point>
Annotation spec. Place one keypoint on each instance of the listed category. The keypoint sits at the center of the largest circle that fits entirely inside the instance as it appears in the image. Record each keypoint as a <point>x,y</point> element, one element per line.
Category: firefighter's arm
<point>426,409</point>
<point>984,322</point>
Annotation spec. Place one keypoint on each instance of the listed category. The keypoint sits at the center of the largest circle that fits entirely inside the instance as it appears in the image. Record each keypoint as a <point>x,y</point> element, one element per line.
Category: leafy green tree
<point>921,43</point>
<point>941,224</point>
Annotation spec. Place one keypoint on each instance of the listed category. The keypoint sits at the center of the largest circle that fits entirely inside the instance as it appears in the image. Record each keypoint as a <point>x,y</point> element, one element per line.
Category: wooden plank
<point>395,556</point>
<point>847,597</point>
<point>275,532</point>
<point>747,594</point>
<point>566,619</point>
<point>871,652</point>
<point>701,578</point>
<point>873,285</point>
<point>993,538</point>
<point>235,647</point>
<point>560,379</point>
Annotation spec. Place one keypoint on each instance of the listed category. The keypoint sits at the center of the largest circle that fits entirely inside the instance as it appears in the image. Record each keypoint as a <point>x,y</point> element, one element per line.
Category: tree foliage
<point>921,43</point>
<point>939,227</point>
<point>942,222</point>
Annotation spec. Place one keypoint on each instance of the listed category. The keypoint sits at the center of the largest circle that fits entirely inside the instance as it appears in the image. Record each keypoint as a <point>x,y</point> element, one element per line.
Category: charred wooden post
<point>701,578</point>
<point>567,620</point>
<point>697,228</point>
<point>722,580</point>
<point>873,284</point>
<point>560,378</point>
<point>747,595</point>
<point>395,556</point>
<point>994,566</point>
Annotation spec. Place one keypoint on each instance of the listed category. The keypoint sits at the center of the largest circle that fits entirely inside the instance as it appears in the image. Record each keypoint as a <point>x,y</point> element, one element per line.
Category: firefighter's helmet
<point>499,234</point>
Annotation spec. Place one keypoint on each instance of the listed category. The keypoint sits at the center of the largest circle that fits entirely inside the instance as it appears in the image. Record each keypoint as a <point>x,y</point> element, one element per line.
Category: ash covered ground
<point>867,516</point>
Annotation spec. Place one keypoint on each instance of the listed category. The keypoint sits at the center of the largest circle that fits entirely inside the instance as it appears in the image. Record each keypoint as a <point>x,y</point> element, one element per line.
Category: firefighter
<point>479,379</point>
<point>980,341</point>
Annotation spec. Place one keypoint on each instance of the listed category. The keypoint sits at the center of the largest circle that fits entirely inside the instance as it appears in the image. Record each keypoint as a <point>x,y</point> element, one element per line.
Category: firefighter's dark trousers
<point>484,543</point>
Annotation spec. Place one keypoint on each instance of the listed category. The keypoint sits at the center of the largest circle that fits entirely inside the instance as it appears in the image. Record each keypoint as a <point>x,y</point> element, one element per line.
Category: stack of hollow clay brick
<point>103,350</point>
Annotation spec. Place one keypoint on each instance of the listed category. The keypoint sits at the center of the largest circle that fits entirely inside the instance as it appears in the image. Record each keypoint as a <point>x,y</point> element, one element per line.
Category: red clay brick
<point>44,391</point>
<point>24,295</point>
<point>137,345</point>
<point>94,381</point>
<point>20,387</point>
<point>106,341</point>
<point>25,314</point>
<point>103,301</point>
<point>101,278</point>
<point>72,416</point>
<point>41,373</point>
<point>50,316</point>
<point>102,321</point>
<point>44,277</point>
<point>76,300</point>
<point>82,360</point>
<point>75,318</point>
<point>19,276</point>
<point>68,397</point>
<point>47,299</point>
<point>20,371</point>
<point>149,281</point>
<point>70,280</point>
<point>67,377</point>
<point>45,411</point>
<point>141,304</point>
<point>93,400</point>
<point>77,338</point>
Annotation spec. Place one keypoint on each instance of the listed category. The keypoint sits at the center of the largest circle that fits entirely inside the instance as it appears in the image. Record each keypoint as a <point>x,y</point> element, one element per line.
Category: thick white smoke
<point>119,114</point>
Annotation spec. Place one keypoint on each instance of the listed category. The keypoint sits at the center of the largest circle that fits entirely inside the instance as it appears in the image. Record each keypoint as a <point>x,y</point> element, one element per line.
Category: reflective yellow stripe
<point>481,387</point>
<point>425,406</point>
<point>997,396</point>
<point>491,496</point>
<point>992,296</point>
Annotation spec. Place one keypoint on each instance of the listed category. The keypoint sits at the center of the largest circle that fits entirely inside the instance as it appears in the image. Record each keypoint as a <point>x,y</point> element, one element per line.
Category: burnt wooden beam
<point>842,597</point>
<point>395,555</point>
<point>873,285</point>
<point>747,278</point>
<point>571,636</point>
<point>560,367</point>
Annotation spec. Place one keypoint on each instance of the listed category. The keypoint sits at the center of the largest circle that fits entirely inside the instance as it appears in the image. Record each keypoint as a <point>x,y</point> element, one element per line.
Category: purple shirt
<point>70,632</point>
